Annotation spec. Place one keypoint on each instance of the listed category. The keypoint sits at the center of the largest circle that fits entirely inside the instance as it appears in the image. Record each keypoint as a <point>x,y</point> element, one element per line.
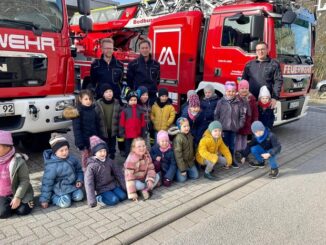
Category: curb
<point>141,230</point>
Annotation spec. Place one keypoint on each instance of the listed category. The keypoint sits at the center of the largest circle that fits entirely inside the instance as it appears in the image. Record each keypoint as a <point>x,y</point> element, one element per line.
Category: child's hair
<point>133,143</point>
<point>84,92</point>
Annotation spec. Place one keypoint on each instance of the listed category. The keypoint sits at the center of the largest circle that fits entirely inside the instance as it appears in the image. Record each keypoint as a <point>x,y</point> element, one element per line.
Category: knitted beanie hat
<point>96,144</point>
<point>5,138</point>
<point>141,90</point>
<point>257,126</point>
<point>180,121</point>
<point>209,87</point>
<point>243,84</point>
<point>131,94</point>
<point>230,85</point>
<point>57,141</point>
<point>214,125</point>
<point>105,87</point>
<point>163,91</point>
<point>189,93</point>
<point>162,135</point>
<point>194,101</point>
<point>264,92</point>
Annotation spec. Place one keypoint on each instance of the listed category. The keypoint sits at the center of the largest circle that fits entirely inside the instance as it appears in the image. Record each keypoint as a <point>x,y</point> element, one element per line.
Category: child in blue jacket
<point>163,158</point>
<point>63,175</point>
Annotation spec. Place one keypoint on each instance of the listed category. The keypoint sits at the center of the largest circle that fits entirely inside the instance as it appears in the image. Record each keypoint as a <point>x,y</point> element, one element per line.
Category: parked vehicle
<point>321,86</point>
<point>209,42</point>
<point>36,69</point>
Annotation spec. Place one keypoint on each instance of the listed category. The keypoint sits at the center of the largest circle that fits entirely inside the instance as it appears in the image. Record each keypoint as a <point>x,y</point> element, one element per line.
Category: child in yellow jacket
<point>211,148</point>
<point>163,112</point>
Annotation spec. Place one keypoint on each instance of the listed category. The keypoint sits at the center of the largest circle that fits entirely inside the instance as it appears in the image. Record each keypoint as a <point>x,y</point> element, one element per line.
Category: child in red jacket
<point>132,121</point>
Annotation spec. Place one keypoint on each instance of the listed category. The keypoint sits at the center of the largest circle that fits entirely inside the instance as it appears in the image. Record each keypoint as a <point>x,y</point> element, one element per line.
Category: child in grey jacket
<point>104,179</point>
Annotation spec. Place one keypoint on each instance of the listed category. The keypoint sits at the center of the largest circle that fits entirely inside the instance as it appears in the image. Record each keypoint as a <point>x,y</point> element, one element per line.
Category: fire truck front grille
<point>22,71</point>
<point>11,123</point>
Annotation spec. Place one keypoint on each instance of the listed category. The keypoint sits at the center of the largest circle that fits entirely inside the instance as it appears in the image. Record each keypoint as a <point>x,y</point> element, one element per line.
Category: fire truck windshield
<point>293,39</point>
<point>44,15</point>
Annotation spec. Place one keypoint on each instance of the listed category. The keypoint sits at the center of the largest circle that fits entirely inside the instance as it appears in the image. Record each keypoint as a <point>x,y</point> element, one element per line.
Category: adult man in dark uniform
<point>107,69</point>
<point>264,71</point>
<point>144,71</point>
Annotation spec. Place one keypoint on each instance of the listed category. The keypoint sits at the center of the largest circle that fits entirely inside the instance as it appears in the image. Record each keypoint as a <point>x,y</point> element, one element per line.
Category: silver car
<point>321,86</point>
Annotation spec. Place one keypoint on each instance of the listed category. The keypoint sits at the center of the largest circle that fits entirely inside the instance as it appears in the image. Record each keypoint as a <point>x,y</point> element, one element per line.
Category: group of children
<point>209,132</point>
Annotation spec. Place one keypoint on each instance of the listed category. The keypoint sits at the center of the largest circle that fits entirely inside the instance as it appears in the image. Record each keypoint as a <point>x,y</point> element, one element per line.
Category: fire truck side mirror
<point>84,7</point>
<point>289,17</point>
<point>257,27</point>
<point>85,23</point>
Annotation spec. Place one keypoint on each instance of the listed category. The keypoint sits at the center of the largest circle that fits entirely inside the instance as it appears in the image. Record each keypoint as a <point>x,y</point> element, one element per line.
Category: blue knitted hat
<point>180,121</point>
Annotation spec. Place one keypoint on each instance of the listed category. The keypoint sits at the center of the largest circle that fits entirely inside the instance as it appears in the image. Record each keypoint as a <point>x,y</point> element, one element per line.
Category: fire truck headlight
<point>60,105</point>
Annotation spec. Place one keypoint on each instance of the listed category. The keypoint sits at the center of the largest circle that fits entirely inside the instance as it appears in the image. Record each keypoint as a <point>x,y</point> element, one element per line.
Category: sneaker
<point>210,176</point>
<point>237,156</point>
<point>226,167</point>
<point>234,165</point>
<point>257,165</point>
<point>145,194</point>
<point>166,182</point>
<point>274,173</point>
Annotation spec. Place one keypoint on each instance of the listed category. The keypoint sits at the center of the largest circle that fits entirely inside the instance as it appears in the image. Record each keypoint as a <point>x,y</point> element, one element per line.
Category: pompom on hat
<point>96,144</point>
<point>6,138</point>
<point>57,141</point>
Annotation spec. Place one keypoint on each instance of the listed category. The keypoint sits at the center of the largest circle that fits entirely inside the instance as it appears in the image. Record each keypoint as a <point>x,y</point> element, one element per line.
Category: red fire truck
<point>36,69</point>
<point>209,42</point>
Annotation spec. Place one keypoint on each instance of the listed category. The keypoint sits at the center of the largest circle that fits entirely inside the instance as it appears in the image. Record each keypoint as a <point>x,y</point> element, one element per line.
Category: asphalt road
<point>288,210</point>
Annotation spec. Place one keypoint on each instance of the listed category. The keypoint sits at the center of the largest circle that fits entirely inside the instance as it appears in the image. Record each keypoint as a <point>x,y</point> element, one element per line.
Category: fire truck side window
<point>237,32</point>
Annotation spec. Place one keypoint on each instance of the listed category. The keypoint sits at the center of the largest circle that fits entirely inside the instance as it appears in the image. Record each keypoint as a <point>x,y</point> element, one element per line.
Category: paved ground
<point>290,210</point>
<point>130,221</point>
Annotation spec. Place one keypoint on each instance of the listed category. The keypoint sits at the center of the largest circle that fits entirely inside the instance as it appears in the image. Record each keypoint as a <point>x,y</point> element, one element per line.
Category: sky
<point>127,1</point>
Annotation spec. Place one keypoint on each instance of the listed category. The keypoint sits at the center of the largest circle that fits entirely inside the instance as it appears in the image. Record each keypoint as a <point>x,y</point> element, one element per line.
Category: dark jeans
<point>128,145</point>
<point>229,140</point>
<point>6,211</point>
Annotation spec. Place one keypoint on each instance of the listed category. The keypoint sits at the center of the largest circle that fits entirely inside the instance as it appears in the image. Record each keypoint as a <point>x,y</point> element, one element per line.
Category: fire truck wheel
<point>36,142</point>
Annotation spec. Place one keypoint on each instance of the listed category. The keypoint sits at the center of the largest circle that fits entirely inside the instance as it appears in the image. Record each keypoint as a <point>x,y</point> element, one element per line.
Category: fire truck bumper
<point>35,115</point>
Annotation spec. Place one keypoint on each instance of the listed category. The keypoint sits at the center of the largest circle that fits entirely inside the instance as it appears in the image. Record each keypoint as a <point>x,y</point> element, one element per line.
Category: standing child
<point>211,148</point>
<point>140,172</point>
<point>63,175</point>
<point>195,117</point>
<point>208,104</point>
<point>132,121</point>
<point>266,114</point>
<point>230,112</point>
<point>16,192</point>
<point>163,112</point>
<point>104,180</point>
<point>87,124</point>
<point>163,158</point>
<point>189,93</point>
<point>108,109</point>
<point>143,103</point>
<point>183,147</point>
<point>265,147</point>
<point>251,115</point>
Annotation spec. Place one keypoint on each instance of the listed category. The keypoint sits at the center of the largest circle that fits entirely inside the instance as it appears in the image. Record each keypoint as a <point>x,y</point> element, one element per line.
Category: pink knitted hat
<point>162,135</point>
<point>6,138</point>
<point>96,144</point>
<point>194,101</point>
<point>229,85</point>
<point>243,84</point>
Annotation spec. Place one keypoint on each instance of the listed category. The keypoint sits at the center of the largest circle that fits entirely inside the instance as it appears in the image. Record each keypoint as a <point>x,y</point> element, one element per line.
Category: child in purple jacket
<point>104,179</point>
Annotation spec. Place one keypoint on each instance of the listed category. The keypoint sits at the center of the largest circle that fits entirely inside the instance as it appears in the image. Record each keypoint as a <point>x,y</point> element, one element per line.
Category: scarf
<point>166,149</point>
<point>108,102</point>
<point>161,104</point>
<point>263,137</point>
<point>264,106</point>
<point>4,159</point>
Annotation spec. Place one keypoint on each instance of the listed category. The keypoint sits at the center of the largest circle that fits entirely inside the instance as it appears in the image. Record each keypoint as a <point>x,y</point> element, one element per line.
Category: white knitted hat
<point>264,92</point>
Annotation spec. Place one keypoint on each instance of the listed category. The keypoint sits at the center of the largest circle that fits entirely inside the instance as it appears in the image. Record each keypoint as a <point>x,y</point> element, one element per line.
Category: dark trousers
<point>6,211</point>
<point>229,140</point>
<point>128,145</point>
<point>111,145</point>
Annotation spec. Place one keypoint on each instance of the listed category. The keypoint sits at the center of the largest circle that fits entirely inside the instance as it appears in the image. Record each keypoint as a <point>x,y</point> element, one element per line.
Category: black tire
<point>323,88</point>
<point>36,142</point>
